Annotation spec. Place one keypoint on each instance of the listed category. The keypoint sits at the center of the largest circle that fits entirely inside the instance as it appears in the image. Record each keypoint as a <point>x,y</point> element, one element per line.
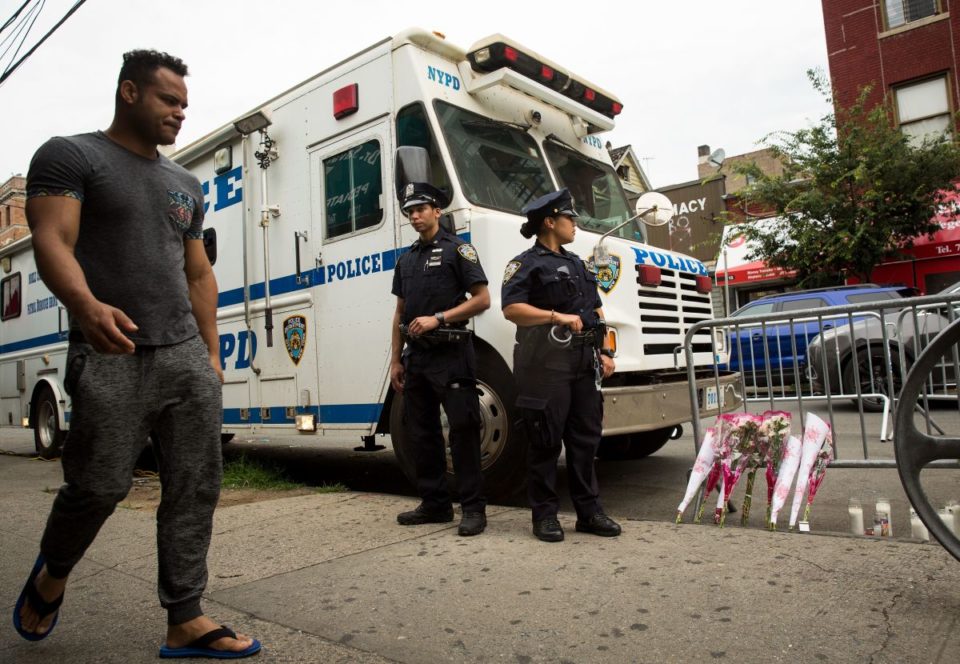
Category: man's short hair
<point>139,66</point>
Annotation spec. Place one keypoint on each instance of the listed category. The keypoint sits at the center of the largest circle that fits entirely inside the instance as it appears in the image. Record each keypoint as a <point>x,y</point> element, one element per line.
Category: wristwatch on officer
<point>606,351</point>
<point>439,317</point>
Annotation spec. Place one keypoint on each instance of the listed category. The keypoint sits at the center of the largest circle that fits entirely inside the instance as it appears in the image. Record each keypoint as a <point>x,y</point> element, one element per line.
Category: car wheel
<point>870,370</point>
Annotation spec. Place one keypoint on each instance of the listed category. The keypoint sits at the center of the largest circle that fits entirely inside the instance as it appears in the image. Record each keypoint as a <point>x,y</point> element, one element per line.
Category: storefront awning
<point>733,265</point>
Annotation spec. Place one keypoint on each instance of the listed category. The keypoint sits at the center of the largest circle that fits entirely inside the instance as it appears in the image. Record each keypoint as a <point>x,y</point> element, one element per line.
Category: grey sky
<point>688,73</point>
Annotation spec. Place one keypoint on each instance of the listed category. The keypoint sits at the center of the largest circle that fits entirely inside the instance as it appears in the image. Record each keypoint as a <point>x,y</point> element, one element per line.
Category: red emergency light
<point>704,283</point>
<point>346,101</point>
<point>648,275</point>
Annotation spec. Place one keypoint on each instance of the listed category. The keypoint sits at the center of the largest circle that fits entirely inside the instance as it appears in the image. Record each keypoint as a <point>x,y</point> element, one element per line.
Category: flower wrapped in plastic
<point>701,467</point>
<point>737,452</point>
<point>725,422</point>
<point>788,468</point>
<point>815,432</point>
<point>824,459</point>
<point>773,422</point>
<point>776,430</point>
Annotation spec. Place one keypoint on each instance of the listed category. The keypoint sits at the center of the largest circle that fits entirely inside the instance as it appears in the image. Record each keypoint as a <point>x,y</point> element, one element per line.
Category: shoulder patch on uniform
<point>510,270</point>
<point>467,251</point>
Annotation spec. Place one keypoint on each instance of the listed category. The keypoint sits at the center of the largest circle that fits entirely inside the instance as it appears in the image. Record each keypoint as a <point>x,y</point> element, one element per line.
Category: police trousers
<point>559,403</point>
<point>118,400</point>
<point>444,375</point>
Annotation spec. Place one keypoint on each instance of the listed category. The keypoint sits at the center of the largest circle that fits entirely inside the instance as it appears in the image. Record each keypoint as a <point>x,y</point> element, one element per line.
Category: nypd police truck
<point>304,231</point>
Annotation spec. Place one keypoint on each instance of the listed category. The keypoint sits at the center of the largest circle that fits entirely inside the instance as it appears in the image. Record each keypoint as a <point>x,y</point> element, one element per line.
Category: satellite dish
<point>716,158</point>
<point>654,209</point>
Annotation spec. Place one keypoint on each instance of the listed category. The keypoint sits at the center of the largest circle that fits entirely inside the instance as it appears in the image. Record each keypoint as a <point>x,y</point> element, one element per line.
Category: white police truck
<point>303,223</point>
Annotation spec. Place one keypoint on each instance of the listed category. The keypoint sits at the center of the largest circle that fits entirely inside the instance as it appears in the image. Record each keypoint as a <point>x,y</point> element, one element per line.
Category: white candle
<point>918,531</point>
<point>856,517</point>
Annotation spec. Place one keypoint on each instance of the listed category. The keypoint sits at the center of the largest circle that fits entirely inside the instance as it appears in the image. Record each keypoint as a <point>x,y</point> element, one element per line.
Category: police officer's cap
<point>554,204</point>
<point>418,193</point>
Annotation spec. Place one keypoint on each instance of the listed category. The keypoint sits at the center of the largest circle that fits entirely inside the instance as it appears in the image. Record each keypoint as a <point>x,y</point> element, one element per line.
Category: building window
<point>352,185</point>
<point>923,109</point>
<point>10,297</point>
<point>901,12</point>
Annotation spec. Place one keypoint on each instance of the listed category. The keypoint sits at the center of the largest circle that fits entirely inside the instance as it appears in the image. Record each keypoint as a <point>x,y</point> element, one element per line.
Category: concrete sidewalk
<point>333,578</point>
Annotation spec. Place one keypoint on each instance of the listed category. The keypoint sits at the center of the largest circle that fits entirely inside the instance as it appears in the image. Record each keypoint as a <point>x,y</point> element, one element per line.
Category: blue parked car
<point>780,344</point>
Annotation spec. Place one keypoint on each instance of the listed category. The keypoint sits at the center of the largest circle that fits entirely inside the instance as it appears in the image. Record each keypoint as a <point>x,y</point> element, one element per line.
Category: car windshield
<point>597,193</point>
<point>498,164</point>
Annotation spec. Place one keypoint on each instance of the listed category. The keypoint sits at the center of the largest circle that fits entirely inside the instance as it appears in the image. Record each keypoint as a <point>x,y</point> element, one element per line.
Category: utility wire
<point>26,34</point>
<point>15,15</point>
<point>16,33</point>
<point>12,68</point>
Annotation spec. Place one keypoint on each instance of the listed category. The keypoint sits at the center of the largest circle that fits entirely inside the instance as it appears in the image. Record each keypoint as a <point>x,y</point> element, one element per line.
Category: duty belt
<point>441,335</point>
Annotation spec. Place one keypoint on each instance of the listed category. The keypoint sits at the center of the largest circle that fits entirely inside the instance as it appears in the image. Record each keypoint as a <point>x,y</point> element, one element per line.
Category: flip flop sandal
<point>200,647</point>
<point>37,603</point>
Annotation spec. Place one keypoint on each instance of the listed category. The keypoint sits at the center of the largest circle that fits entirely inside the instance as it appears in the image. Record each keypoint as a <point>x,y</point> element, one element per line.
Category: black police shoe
<point>599,524</point>
<point>472,523</point>
<point>548,530</point>
<point>424,514</point>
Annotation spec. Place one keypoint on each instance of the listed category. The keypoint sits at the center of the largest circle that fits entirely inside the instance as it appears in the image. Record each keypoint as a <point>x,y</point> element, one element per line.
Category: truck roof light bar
<point>489,56</point>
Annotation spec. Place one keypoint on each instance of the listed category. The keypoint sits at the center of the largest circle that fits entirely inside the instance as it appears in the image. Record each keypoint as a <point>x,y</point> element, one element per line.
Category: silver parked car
<point>847,354</point>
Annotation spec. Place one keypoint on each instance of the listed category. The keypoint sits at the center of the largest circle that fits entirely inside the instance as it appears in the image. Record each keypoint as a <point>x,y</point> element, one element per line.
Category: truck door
<point>352,211</point>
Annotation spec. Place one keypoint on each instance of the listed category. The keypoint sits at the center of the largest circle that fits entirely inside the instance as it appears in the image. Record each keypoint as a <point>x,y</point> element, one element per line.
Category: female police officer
<point>552,298</point>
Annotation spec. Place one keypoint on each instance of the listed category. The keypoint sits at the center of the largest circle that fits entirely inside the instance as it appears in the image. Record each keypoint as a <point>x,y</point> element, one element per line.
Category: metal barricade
<point>849,361</point>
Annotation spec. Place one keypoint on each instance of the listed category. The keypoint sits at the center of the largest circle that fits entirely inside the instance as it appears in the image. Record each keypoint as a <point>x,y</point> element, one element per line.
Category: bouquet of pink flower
<point>742,445</point>
<point>824,458</point>
<point>771,422</point>
<point>776,430</point>
<point>701,467</point>
<point>815,431</point>
<point>725,422</point>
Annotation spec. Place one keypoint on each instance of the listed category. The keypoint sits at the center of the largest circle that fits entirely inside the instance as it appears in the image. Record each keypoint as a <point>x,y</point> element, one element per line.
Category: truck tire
<point>48,437</point>
<point>502,445</point>
<point>633,445</point>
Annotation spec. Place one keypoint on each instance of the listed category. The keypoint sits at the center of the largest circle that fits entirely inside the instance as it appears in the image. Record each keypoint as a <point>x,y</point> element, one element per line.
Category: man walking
<point>117,233</point>
<point>437,364</point>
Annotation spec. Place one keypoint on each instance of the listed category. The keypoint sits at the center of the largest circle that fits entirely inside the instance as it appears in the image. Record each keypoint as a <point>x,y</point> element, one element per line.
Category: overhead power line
<point>15,15</point>
<point>13,67</point>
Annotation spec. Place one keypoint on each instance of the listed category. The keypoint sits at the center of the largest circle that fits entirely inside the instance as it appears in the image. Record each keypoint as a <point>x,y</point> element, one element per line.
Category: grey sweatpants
<point>118,400</point>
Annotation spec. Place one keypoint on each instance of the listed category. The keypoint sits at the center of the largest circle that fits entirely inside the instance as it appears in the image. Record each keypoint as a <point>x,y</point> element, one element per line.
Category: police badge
<point>295,337</point>
<point>608,275</point>
<point>467,251</point>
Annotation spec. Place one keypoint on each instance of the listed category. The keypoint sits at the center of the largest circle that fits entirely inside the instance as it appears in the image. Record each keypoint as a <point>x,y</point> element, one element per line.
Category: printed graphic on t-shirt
<point>180,209</point>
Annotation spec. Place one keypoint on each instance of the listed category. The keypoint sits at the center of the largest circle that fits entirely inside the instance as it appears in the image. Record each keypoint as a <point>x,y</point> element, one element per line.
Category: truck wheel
<point>502,446</point>
<point>633,445</point>
<point>48,437</point>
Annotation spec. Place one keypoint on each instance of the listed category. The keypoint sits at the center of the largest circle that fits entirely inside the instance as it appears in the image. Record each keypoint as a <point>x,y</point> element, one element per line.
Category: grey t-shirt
<point>135,216</point>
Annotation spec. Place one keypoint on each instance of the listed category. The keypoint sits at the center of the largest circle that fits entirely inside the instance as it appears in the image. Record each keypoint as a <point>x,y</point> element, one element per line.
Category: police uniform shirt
<point>553,281</point>
<point>435,276</point>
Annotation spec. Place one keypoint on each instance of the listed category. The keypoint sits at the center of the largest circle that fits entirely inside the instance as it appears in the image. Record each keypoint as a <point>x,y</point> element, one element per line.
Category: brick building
<point>13,220</point>
<point>909,52</point>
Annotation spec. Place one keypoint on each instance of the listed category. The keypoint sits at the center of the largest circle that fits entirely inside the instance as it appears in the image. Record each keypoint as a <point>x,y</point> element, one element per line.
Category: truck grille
<point>667,311</point>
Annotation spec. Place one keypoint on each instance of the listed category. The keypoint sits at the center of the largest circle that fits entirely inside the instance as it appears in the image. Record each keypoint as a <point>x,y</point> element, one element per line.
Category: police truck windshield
<point>597,194</point>
<point>498,164</point>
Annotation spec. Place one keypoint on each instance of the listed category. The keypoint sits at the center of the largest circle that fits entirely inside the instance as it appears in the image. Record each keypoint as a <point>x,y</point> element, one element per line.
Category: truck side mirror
<point>412,165</point>
<point>210,244</point>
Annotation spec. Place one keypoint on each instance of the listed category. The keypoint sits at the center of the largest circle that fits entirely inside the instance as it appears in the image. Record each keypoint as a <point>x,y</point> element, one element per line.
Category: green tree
<point>854,191</point>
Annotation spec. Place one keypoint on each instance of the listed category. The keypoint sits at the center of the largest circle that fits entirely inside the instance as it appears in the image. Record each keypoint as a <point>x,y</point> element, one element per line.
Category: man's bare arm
<point>55,224</point>
<point>202,285</point>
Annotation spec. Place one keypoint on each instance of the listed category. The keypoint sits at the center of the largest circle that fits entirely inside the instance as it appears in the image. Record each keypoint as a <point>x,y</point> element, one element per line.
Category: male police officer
<point>436,365</point>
